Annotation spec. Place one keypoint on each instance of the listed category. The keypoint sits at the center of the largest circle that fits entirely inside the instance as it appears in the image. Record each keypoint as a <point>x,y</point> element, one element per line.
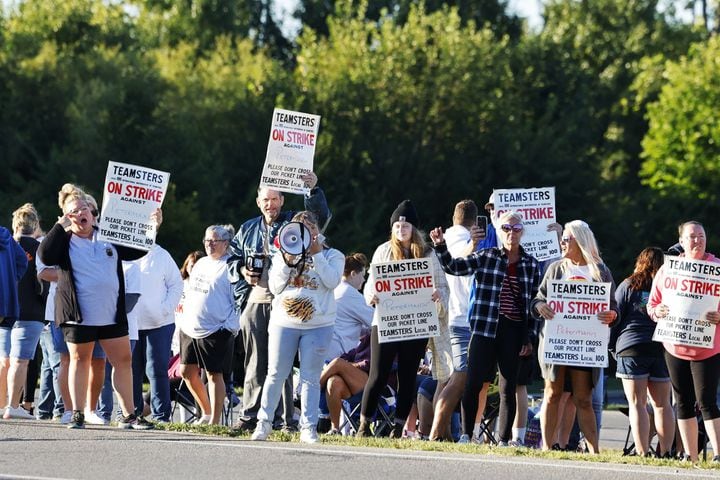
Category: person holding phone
<point>506,279</point>
<point>462,239</point>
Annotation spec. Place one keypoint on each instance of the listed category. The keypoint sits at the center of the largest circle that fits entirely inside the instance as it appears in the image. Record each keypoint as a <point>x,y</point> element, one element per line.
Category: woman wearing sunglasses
<point>581,261</point>
<point>505,280</point>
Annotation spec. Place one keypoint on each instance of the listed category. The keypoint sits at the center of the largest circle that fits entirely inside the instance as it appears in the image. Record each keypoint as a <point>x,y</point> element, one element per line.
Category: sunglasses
<point>566,239</point>
<point>518,227</point>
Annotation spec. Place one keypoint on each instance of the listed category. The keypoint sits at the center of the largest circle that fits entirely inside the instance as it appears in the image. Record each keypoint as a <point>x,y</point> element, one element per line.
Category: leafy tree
<point>682,148</point>
<point>584,119</point>
<point>213,123</point>
<point>314,14</point>
<point>408,109</point>
<point>203,22</point>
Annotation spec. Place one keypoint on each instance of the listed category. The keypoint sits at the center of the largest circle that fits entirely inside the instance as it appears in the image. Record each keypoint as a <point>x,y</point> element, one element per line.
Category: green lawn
<point>606,456</point>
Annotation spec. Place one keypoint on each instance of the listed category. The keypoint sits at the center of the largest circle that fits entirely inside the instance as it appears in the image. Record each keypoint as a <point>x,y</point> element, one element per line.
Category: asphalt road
<point>43,450</point>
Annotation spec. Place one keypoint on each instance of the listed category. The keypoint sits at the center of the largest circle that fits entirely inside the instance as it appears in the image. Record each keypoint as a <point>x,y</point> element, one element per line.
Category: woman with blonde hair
<point>406,242</point>
<point>582,262</point>
<point>26,330</point>
<point>90,302</point>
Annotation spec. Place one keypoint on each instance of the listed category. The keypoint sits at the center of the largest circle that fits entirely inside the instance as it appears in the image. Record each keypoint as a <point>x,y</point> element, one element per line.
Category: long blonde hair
<point>585,240</point>
<point>418,246</point>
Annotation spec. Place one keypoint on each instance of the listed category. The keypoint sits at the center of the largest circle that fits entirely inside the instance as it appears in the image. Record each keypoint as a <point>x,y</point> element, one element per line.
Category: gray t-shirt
<point>94,266</point>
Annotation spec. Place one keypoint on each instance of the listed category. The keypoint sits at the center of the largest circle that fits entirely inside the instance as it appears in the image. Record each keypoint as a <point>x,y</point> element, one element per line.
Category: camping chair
<point>231,401</point>
<point>384,418</point>
<point>487,425</point>
<point>183,402</point>
<point>179,393</point>
<point>629,448</point>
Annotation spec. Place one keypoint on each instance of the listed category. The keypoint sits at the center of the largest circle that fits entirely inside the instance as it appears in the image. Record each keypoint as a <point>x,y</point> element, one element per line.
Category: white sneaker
<point>203,420</point>
<point>66,417</point>
<point>464,439</point>
<point>93,418</point>
<point>262,431</point>
<point>308,435</point>
<point>19,412</point>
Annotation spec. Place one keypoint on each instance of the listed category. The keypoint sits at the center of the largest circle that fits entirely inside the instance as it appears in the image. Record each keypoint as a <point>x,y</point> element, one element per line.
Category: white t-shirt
<point>50,303</point>
<point>457,239</point>
<point>353,316</point>
<point>94,265</point>
<point>578,272</point>
<point>209,305</point>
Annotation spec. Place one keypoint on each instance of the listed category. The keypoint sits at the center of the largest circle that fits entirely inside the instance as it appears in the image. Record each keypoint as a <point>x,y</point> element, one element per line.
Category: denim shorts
<point>647,367</point>
<point>459,341</point>
<point>5,342</point>
<point>21,340</point>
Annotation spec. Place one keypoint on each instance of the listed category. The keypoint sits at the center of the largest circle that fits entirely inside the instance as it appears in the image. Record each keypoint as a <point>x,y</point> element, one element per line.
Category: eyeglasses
<point>566,239</point>
<point>518,227</point>
<point>210,241</point>
<point>78,211</point>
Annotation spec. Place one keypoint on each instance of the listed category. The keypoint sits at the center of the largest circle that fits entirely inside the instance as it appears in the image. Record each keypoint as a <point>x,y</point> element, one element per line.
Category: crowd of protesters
<point>97,310</point>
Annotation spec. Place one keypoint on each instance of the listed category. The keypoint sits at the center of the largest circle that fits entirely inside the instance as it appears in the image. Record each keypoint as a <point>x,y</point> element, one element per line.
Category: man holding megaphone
<point>250,256</point>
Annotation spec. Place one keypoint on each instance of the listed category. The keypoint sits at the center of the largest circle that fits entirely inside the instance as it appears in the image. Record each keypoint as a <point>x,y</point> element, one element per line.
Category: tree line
<point>613,102</point>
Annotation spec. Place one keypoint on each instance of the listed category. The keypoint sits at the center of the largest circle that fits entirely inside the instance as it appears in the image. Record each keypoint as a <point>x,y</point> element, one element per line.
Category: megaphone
<point>294,238</point>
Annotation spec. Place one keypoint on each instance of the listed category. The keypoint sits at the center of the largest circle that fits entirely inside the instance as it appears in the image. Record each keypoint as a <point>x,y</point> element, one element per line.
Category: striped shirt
<point>489,268</point>
<point>510,294</point>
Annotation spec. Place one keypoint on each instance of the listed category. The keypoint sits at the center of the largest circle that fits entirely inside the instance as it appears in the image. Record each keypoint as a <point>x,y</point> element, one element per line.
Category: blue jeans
<point>61,346</point>
<point>151,357</point>
<point>50,400</point>
<point>105,402</point>
<point>312,345</point>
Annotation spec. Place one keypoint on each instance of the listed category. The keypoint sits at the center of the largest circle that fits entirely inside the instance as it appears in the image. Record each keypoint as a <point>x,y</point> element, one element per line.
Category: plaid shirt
<point>489,267</point>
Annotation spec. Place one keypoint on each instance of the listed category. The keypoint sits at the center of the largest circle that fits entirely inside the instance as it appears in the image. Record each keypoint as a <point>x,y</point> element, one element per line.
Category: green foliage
<point>433,101</point>
<point>682,147</point>
<point>204,22</point>
<point>314,14</point>
<point>399,122</point>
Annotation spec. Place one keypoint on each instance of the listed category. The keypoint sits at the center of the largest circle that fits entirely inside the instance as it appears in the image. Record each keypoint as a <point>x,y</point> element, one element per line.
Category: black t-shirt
<point>32,293</point>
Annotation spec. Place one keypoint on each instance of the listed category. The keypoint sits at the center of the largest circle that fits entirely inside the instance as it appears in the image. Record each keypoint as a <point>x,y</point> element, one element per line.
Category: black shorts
<point>526,369</point>
<point>212,353</point>
<point>88,333</point>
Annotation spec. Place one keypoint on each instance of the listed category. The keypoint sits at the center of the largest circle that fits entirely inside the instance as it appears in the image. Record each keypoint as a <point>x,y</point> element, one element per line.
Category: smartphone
<point>482,224</point>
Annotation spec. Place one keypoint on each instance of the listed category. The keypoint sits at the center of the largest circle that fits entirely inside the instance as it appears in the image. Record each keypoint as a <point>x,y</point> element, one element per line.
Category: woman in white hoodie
<point>161,287</point>
<point>302,320</point>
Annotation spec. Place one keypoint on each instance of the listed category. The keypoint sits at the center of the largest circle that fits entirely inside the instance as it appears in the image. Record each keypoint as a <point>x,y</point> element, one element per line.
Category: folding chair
<point>184,401</point>
<point>487,425</point>
<point>227,417</point>
<point>629,447</point>
<point>384,419</point>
